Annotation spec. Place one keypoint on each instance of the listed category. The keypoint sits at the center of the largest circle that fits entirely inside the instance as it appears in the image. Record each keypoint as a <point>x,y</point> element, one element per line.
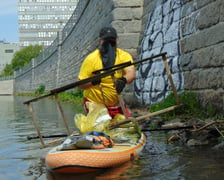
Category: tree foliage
<point>22,58</point>
<point>8,70</point>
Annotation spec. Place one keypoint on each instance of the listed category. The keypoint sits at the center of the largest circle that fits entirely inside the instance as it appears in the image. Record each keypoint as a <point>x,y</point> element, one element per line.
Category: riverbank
<point>190,124</point>
<point>187,130</point>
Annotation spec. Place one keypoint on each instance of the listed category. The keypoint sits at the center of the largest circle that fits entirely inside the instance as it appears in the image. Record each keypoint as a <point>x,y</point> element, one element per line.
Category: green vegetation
<point>21,58</point>
<point>190,107</point>
<point>72,96</point>
<point>40,90</point>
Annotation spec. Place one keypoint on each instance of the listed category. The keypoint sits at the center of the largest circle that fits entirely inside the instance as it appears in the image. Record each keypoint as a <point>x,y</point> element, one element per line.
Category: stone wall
<point>190,31</point>
<point>202,46</point>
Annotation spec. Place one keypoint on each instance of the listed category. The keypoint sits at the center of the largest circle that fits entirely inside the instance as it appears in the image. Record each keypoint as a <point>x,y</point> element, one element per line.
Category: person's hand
<point>96,81</point>
<point>120,84</point>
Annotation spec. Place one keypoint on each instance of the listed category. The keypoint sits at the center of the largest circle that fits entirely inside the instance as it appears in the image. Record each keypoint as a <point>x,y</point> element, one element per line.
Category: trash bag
<point>126,133</point>
<point>90,140</point>
<point>97,119</point>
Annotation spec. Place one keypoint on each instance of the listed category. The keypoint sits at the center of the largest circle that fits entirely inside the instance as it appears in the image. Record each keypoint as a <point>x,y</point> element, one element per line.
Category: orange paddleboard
<point>88,160</point>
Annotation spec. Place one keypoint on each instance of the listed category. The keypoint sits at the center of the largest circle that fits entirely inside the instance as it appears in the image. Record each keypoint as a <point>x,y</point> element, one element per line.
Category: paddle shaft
<point>48,136</point>
<point>168,129</point>
<point>105,72</point>
<point>81,82</point>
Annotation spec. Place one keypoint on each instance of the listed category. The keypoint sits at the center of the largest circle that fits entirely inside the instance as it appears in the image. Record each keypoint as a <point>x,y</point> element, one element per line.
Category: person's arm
<point>130,74</point>
<point>126,79</point>
<point>85,86</point>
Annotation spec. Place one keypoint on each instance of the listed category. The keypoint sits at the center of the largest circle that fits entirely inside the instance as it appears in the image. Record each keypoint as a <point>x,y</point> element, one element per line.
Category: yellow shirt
<point>92,63</point>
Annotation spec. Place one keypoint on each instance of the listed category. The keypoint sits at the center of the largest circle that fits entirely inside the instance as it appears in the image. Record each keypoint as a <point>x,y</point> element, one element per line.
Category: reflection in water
<point>20,158</point>
<point>23,159</point>
<point>111,173</point>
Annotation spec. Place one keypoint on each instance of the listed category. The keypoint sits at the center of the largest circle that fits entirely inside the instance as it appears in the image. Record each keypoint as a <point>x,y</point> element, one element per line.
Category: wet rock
<point>194,121</point>
<point>195,142</point>
<point>186,129</point>
<point>153,122</point>
<point>191,138</point>
<point>219,146</point>
<point>173,125</point>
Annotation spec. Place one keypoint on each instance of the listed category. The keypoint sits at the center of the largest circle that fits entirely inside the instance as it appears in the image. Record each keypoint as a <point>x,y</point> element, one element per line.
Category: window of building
<point>9,51</point>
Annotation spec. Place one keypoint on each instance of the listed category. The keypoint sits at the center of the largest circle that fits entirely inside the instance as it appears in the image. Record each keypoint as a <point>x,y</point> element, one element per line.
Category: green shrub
<point>40,90</point>
<point>72,96</point>
<point>190,106</point>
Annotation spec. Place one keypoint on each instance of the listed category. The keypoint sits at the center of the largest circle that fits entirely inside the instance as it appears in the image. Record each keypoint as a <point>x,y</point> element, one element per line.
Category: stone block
<point>222,11</point>
<point>122,14</point>
<point>203,39</point>
<point>133,26</point>
<point>128,40</point>
<point>208,16</point>
<point>212,98</point>
<point>191,80</point>
<point>129,3</point>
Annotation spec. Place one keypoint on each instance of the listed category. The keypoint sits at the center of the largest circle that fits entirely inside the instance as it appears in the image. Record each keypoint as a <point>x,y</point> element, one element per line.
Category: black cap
<point>108,32</point>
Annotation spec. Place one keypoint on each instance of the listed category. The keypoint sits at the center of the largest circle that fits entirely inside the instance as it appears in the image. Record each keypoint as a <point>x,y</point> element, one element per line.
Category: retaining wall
<point>6,87</point>
<point>190,31</point>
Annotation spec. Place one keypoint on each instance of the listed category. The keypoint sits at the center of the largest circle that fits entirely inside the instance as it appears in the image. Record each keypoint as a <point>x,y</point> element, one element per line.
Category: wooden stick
<point>219,131</point>
<point>207,125</point>
<point>122,104</point>
<point>110,71</point>
<point>80,82</point>
<point>140,118</point>
<point>36,124</point>
<point>170,78</point>
<point>51,143</point>
<point>62,114</point>
<point>59,140</point>
<point>195,130</point>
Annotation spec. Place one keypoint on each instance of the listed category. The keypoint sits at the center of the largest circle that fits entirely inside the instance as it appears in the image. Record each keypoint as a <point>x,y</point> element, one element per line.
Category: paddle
<point>168,129</point>
<point>84,81</point>
<point>105,72</point>
<point>47,136</point>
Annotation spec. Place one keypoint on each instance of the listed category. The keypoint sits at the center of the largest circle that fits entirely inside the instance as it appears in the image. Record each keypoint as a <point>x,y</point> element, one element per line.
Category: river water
<point>23,159</point>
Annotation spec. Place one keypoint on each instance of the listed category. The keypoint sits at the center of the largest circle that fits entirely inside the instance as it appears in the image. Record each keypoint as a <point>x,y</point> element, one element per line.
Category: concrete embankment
<point>6,87</point>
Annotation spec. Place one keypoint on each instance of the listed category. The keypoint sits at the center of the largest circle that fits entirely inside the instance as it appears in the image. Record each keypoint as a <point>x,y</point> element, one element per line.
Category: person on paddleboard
<point>106,90</point>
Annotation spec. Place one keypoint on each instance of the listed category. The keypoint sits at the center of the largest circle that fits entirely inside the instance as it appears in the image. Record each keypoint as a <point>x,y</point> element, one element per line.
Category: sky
<point>9,21</point>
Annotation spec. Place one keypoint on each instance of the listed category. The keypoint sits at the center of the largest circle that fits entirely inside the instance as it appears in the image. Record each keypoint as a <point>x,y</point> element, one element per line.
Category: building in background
<point>7,50</point>
<point>40,20</point>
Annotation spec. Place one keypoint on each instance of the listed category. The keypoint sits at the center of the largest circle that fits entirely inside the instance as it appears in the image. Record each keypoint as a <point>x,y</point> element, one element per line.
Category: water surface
<point>23,159</point>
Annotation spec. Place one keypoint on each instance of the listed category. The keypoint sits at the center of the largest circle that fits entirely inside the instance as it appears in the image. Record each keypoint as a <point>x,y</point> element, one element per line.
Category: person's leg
<point>113,111</point>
